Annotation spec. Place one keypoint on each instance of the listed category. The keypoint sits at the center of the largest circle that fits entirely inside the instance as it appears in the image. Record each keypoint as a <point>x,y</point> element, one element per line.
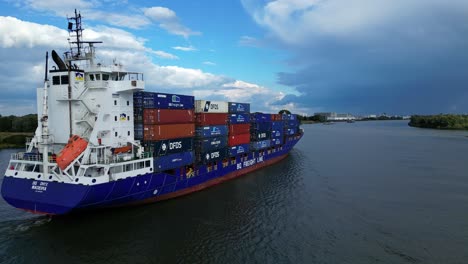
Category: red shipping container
<point>276,117</point>
<point>235,140</point>
<point>238,129</point>
<point>159,132</point>
<point>153,116</point>
<point>210,119</point>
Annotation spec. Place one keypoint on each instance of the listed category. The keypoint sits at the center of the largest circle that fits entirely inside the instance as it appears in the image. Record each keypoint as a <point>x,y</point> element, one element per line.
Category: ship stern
<point>42,197</point>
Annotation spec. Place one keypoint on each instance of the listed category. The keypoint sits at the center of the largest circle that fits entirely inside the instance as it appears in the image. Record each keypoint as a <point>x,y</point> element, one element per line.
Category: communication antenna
<point>75,31</point>
<point>76,53</point>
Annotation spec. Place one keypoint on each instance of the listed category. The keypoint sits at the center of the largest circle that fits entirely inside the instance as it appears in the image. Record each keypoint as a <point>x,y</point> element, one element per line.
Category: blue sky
<point>357,56</point>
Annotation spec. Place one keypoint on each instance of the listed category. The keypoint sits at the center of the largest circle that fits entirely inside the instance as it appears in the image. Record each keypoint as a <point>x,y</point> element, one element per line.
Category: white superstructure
<point>93,102</point>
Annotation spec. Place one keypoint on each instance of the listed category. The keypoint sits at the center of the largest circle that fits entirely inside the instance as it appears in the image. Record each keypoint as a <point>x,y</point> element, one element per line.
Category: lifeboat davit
<point>76,145</point>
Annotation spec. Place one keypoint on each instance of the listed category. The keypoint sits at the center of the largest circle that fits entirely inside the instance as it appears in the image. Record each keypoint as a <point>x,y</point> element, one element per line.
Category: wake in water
<point>31,223</point>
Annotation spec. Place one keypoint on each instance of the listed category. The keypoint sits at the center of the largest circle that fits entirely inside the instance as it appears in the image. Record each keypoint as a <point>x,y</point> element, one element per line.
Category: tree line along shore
<point>15,129</point>
<point>442,121</point>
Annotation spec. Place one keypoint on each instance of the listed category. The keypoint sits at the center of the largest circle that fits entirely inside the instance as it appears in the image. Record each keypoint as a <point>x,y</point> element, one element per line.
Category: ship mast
<point>45,122</point>
<point>76,53</point>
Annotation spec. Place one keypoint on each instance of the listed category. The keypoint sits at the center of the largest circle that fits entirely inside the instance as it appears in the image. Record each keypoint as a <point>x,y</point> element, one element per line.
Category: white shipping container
<point>202,106</point>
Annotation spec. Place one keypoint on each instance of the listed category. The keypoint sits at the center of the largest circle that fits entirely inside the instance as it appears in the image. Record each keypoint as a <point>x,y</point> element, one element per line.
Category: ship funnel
<point>60,64</point>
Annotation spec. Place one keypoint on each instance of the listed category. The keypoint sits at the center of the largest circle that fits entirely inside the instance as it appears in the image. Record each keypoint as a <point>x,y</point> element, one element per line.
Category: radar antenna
<point>77,51</point>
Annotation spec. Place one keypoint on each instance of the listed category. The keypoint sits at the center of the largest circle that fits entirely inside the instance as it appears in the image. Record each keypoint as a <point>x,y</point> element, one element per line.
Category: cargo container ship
<point>102,141</point>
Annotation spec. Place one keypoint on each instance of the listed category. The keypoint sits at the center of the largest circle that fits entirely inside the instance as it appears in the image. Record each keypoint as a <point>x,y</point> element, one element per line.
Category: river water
<point>367,192</point>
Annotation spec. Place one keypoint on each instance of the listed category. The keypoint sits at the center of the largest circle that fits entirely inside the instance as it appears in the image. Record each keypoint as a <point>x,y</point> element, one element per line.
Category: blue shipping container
<point>239,107</point>
<point>239,149</point>
<point>173,161</point>
<point>289,117</point>
<point>292,123</point>
<point>239,118</point>
<point>169,146</point>
<point>277,133</point>
<point>277,125</point>
<point>257,145</point>
<point>277,141</point>
<point>138,99</point>
<point>138,131</point>
<point>260,135</point>
<point>212,156</point>
<point>212,131</point>
<point>291,131</point>
<point>168,101</point>
<point>260,117</point>
<point>138,114</point>
<point>264,126</point>
<point>212,143</point>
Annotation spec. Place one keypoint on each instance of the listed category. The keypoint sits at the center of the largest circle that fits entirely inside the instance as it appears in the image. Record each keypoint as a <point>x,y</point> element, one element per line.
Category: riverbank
<point>13,139</point>
<point>449,122</point>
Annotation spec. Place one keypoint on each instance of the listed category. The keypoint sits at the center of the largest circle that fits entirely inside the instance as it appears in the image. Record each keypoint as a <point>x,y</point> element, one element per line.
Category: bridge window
<point>98,77</point>
<point>105,77</point>
<point>64,79</point>
<point>56,80</point>
<point>91,77</point>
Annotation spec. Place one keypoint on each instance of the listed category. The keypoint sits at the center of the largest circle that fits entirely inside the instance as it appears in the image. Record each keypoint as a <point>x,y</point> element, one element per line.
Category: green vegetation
<point>440,121</point>
<point>15,129</point>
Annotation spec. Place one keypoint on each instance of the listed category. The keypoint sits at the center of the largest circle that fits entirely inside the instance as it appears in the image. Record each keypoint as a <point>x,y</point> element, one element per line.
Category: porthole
<point>50,177</point>
<point>93,181</point>
<point>76,180</point>
<point>39,176</point>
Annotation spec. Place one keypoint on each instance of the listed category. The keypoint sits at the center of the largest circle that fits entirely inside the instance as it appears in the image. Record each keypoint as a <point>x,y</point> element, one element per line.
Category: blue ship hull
<point>62,198</point>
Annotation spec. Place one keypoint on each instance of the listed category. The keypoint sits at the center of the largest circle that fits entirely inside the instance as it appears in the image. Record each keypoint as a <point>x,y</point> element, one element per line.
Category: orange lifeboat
<point>125,149</point>
<point>76,145</point>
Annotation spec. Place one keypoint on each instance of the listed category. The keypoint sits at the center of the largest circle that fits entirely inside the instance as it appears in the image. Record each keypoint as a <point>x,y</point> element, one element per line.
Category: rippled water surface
<point>367,192</point>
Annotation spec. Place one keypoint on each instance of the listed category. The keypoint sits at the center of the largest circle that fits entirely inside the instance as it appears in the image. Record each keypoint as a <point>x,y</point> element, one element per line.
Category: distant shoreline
<point>442,122</point>
<point>344,121</point>
<point>10,140</point>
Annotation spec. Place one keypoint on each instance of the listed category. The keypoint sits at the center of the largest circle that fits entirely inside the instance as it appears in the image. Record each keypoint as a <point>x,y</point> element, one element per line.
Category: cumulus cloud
<point>260,97</point>
<point>249,41</point>
<point>15,33</point>
<point>165,55</point>
<point>90,9</point>
<point>189,48</point>
<point>370,55</point>
<point>24,49</point>
<point>169,21</point>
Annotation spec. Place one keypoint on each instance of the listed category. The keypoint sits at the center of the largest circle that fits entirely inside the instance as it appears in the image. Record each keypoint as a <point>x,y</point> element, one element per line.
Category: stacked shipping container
<point>239,128</point>
<point>277,130</point>
<point>165,124</point>
<point>291,124</point>
<point>260,132</point>
<point>211,130</point>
